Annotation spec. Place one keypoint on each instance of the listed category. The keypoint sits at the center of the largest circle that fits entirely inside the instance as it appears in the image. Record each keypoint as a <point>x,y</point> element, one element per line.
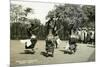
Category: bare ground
<point>84,53</point>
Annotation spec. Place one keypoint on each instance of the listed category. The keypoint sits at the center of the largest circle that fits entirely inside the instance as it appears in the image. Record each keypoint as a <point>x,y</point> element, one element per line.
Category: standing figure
<point>56,36</point>
<point>79,35</point>
<point>92,37</point>
<point>57,40</point>
<point>85,36</point>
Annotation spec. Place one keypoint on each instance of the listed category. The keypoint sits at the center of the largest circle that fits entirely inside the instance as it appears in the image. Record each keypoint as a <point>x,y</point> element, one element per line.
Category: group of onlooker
<point>85,35</point>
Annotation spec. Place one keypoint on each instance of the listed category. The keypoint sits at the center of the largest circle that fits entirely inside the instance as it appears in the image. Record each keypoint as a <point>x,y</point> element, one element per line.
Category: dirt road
<point>18,56</point>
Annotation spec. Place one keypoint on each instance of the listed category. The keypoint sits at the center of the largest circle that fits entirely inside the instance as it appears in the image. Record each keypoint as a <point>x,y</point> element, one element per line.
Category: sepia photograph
<point>44,33</point>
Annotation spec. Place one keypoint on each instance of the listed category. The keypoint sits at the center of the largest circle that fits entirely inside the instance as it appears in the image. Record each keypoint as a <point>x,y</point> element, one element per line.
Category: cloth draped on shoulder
<point>28,42</point>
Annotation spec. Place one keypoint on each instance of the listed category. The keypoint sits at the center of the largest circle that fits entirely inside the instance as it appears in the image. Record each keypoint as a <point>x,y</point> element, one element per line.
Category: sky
<point>40,9</point>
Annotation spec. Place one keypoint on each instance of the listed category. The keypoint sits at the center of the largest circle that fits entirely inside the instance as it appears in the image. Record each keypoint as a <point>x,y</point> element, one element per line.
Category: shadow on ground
<point>27,52</point>
<point>66,52</point>
<point>45,54</point>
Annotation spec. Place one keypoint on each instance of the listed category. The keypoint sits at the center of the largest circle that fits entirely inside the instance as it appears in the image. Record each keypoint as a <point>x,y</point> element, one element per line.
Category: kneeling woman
<point>50,45</point>
<point>31,43</point>
<point>72,43</point>
<point>72,46</point>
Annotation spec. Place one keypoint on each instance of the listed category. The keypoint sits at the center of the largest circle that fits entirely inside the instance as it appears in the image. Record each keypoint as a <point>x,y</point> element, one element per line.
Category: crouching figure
<point>72,47</point>
<point>31,43</point>
<point>72,44</point>
<point>50,45</point>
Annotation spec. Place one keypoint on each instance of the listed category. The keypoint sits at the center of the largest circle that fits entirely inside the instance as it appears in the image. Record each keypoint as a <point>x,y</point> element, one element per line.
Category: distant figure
<point>79,35</point>
<point>88,37</point>
<point>82,36</point>
<point>56,36</point>
<point>85,36</point>
<point>57,40</point>
<point>92,37</point>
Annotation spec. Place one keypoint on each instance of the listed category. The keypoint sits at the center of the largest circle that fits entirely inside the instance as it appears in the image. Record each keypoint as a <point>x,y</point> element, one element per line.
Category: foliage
<point>89,11</point>
<point>18,13</point>
<point>66,16</point>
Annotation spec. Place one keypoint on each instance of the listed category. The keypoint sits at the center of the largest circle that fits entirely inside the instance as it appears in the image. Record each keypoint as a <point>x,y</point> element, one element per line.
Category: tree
<point>68,15</point>
<point>35,26</point>
<point>18,14</point>
<point>35,21</point>
<point>15,12</point>
<point>27,10</point>
<point>89,11</point>
<point>18,17</point>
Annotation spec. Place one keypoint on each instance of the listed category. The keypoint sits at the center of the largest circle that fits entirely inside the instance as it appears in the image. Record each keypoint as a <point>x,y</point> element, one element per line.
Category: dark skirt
<point>33,42</point>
